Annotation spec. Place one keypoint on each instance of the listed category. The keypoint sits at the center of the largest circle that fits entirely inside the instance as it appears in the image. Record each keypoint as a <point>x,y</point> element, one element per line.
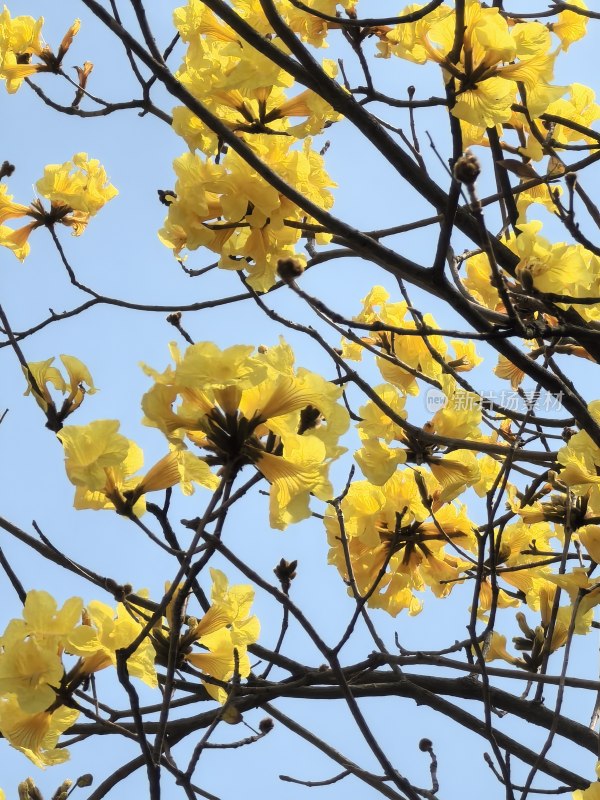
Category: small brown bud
<point>526,279</point>
<point>262,349</point>
<point>174,318</point>
<point>467,168</point>
<point>425,745</point>
<point>6,169</point>
<point>166,196</point>
<point>289,269</point>
<point>85,780</point>
<point>121,592</point>
<point>266,725</point>
<point>285,573</point>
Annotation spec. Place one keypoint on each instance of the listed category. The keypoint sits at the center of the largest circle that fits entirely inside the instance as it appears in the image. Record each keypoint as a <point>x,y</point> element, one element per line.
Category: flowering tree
<point>450,459</point>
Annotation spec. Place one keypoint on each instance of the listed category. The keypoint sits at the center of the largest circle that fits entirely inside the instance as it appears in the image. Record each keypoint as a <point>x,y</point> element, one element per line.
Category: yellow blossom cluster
<point>37,682</point>
<point>407,361</point>
<point>394,546</point>
<point>102,464</point>
<point>77,190</point>
<point>216,644</point>
<point>566,270</point>
<point>20,41</point>
<point>35,686</point>
<point>236,407</point>
<point>244,408</point>
<point>579,461</point>
<point>219,201</point>
<point>497,64</point>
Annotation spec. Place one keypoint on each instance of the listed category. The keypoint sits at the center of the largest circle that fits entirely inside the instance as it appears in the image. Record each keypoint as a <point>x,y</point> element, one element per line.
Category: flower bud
<point>467,168</point>
<point>289,269</point>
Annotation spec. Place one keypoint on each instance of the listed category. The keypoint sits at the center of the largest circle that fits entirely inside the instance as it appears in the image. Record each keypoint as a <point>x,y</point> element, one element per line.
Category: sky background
<point>119,255</point>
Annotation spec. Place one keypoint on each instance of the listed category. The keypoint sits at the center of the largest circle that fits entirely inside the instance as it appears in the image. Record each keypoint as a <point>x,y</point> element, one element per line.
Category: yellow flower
<point>20,39</point>
<point>90,450</point>
<point>36,735</point>
<point>391,538</point>
<point>80,184</point>
<point>506,369</point>
<point>465,356</point>
<point>106,631</point>
<point>238,601</point>
<point>102,463</point>
<point>580,460</point>
<point>375,422</point>
<point>561,268</point>
<point>589,536</point>
<point>31,671</point>
<point>479,282</point>
<point>245,409</point>
<point>460,417</point>
<point>407,40</point>
<point>16,241</point>
<point>77,190</point>
<point>222,634</point>
<point>43,620</point>
<point>493,59</point>
<point>580,107</point>
<point>232,210</point>
<point>43,373</point>
<point>454,472</point>
<point>570,26</point>
<point>377,461</point>
<point>294,476</point>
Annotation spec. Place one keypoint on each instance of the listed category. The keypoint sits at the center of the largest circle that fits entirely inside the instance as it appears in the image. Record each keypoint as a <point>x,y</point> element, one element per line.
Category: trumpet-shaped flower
<point>77,190</point>
<point>244,409</point>
<point>80,184</point>
<point>493,61</point>
<point>105,631</point>
<point>235,212</point>
<point>36,735</point>
<point>395,549</point>
<point>40,374</point>
<point>102,463</point>
<point>217,643</point>
<point>20,39</point>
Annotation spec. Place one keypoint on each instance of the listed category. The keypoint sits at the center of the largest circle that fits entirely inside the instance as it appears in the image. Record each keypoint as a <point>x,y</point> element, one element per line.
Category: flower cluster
<point>36,687</point>
<point>219,201</point>
<point>496,66</point>
<point>77,190</point>
<point>243,408</point>
<point>20,41</point>
<point>216,644</point>
<point>50,653</point>
<point>395,546</point>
